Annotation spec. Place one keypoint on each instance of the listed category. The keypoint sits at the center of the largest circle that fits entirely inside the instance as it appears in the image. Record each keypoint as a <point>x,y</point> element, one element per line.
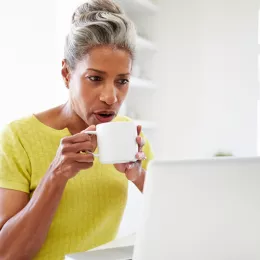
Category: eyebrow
<point>103,72</point>
<point>99,71</point>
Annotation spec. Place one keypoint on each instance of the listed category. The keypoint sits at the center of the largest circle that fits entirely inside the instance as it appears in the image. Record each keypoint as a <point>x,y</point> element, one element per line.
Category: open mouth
<point>105,116</point>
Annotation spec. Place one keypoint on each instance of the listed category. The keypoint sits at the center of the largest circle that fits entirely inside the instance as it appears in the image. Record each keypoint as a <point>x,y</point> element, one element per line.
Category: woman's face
<point>99,84</point>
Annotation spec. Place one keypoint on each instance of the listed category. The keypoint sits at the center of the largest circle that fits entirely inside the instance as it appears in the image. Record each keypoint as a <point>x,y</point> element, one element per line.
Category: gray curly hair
<point>97,23</point>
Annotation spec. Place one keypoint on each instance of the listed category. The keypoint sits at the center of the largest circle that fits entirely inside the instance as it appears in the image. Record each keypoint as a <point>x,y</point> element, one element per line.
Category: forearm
<point>139,183</point>
<point>23,235</point>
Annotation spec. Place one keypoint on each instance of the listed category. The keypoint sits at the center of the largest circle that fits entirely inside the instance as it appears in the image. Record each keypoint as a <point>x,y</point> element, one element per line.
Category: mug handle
<point>92,133</point>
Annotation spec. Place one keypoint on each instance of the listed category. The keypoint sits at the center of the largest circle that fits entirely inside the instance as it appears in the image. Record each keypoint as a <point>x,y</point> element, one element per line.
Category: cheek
<point>78,85</point>
<point>122,94</point>
<point>78,94</point>
<point>74,87</point>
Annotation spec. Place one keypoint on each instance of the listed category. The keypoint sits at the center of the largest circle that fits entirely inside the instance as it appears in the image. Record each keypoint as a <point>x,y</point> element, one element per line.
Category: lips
<point>105,116</point>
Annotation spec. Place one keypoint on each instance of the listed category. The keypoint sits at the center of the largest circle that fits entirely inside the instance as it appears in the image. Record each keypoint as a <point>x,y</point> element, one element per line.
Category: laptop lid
<point>201,210</point>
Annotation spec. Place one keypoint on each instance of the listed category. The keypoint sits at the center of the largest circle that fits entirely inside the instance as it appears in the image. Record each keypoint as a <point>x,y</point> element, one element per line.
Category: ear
<point>65,72</point>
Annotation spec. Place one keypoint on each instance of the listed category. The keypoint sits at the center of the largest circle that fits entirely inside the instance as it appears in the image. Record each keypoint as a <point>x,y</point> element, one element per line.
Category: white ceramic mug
<point>116,142</point>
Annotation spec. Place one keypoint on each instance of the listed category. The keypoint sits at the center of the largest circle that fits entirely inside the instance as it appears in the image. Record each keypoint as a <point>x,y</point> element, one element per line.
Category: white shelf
<point>143,44</point>
<point>139,6</point>
<point>141,83</point>
<point>145,124</point>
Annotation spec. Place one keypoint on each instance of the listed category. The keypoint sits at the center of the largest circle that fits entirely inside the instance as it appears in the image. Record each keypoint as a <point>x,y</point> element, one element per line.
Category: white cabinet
<point>142,88</point>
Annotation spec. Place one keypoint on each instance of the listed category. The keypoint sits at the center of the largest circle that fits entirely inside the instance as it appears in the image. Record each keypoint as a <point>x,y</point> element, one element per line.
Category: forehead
<point>106,58</point>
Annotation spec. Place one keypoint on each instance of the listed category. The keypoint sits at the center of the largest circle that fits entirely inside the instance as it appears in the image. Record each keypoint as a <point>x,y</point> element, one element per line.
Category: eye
<point>123,81</point>
<point>94,78</point>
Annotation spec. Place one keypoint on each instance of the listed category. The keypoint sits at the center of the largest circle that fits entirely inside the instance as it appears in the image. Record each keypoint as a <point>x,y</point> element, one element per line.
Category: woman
<point>55,200</point>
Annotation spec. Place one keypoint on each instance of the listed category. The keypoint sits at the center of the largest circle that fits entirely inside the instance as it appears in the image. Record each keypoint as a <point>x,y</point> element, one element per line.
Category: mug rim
<point>117,122</point>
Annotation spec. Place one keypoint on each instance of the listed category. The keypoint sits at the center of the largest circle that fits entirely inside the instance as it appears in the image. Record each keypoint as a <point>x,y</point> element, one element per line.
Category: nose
<point>109,94</point>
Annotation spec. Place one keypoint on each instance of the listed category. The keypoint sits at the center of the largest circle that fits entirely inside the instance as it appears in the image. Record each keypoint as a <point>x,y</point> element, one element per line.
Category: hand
<point>72,154</point>
<point>133,170</point>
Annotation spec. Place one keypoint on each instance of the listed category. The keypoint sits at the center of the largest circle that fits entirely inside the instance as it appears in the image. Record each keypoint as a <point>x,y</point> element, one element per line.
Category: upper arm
<point>11,202</point>
<point>15,168</point>
<point>14,175</point>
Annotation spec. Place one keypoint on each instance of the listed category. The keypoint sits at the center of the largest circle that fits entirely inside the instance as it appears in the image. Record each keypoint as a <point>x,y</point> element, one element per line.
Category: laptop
<point>120,253</point>
<point>118,249</point>
<point>201,210</point>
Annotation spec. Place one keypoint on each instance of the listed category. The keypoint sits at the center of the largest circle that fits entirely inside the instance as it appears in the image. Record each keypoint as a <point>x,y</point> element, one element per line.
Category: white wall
<point>207,72</point>
<point>28,64</point>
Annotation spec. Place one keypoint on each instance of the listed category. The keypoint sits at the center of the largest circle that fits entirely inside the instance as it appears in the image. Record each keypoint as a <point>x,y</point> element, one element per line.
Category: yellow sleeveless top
<point>93,202</point>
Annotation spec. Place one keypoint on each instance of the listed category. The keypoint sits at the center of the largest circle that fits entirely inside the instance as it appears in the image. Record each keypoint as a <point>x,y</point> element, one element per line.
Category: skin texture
<point>99,82</point>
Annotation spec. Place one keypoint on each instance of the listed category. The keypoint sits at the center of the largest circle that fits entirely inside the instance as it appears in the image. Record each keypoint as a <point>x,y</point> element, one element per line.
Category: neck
<point>72,121</point>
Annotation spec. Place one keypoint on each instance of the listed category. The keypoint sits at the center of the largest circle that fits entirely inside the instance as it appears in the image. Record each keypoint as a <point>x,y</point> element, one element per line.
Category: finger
<point>80,137</point>
<point>92,137</point>
<point>139,129</point>
<point>121,167</point>
<point>140,156</point>
<point>81,147</point>
<point>83,166</point>
<point>140,141</point>
<point>81,157</point>
<point>90,128</point>
<point>132,165</point>
<point>133,170</point>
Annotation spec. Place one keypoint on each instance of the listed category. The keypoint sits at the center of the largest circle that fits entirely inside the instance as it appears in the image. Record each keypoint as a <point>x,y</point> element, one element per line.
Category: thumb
<point>90,128</point>
<point>93,137</point>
